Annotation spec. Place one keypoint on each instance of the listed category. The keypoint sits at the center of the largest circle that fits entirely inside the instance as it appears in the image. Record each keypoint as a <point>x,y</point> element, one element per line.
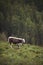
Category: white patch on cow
<point>23,40</point>
<point>15,38</point>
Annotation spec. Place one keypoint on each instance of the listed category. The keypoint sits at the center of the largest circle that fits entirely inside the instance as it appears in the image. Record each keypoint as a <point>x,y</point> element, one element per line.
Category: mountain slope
<point>25,55</point>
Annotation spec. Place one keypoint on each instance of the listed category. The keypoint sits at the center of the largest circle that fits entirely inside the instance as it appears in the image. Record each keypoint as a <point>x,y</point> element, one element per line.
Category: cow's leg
<point>22,44</point>
<point>10,44</point>
<point>17,45</point>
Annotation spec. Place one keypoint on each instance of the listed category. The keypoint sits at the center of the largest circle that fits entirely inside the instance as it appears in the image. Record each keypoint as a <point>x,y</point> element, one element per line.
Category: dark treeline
<point>22,18</point>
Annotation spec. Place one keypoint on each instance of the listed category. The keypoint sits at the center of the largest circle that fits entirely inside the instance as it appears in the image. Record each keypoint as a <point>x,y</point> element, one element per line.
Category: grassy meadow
<point>24,55</point>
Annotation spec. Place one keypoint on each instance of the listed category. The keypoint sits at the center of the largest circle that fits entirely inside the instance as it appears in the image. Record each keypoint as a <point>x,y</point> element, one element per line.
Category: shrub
<point>3,37</point>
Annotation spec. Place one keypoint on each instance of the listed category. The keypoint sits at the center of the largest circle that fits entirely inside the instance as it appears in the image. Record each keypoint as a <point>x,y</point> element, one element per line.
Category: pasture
<point>24,55</point>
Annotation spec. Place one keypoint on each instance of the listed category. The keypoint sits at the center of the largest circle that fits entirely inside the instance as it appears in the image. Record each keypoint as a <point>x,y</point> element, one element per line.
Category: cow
<point>15,40</point>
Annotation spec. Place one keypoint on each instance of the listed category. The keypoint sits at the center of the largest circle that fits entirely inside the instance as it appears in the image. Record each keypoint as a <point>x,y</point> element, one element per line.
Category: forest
<point>22,18</point>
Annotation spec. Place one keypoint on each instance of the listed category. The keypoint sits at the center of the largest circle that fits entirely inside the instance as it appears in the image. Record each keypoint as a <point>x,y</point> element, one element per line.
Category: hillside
<point>25,55</point>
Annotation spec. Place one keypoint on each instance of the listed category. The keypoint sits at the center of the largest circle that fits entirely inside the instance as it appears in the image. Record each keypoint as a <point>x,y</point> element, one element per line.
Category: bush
<point>3,37</point>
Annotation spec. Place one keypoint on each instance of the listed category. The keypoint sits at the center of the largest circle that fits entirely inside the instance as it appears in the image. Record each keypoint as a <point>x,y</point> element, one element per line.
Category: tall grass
<point>24,55</point>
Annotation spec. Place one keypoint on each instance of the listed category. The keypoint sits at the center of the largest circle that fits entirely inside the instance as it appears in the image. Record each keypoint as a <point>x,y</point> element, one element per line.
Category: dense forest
<point>22,18</point>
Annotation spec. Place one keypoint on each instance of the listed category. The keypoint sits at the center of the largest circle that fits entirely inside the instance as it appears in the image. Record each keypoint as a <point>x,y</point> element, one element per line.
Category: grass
<point>25,55</point>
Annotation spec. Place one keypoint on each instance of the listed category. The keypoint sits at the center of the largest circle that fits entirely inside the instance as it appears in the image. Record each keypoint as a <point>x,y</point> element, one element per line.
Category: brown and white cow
<point>15,40</point>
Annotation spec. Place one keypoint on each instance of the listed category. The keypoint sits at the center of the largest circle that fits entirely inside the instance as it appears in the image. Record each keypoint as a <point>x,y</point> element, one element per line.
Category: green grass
<point>25,55</point>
